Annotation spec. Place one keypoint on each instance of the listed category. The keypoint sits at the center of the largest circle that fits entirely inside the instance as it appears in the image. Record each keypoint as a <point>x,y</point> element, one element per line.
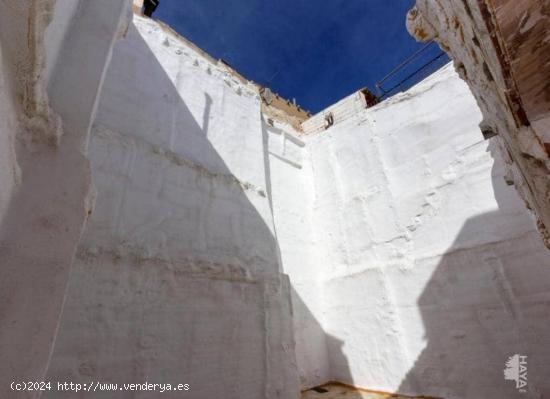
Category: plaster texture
<point>177,277</point>
<point>500,48</point>
<point>291,191</point>
<point>433,272</point>
<point>46,183</point>
<point>230,248</point>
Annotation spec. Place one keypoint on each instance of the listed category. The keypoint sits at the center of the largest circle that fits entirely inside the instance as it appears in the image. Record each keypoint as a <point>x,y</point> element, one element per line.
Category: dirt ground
<point>338,391</point>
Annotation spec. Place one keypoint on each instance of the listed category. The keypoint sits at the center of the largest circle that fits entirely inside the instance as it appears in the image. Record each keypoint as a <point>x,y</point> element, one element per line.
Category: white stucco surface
<point>63,16</point>
<point>406,248</point>
<point>432,270</point>
<point>230,252</point>
<point>45,180</point>
<point>177,277</point>
<point>291,191</point>
<point>507,78</point>
<point>9,170</point>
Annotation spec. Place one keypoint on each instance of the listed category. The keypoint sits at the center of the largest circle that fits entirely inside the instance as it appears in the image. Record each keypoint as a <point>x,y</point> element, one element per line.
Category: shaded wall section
<point>501,49</point>
<point>292,193</point>
<point>46,108</point>
<point>400,237</point>
<point>177,278</point>
<point>9,170</point>
<point>433,272</point>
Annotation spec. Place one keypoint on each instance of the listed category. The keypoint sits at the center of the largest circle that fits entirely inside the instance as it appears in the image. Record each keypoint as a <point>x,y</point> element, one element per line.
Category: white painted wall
<point>9,170</point>
<point>292,193</point>
<point>45,177</point>
<point>177,278</point>
<point>412,266</point>
<point>433,271</point>
<point>63,16</point>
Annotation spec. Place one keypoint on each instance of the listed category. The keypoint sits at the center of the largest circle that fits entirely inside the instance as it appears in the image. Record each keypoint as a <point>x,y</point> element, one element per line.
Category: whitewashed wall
<point>413,267</point>
<point>47,104</point>
<point>292,194</point>
<point>178,278</point>
<point>9,170</point>
<point>433,271</point>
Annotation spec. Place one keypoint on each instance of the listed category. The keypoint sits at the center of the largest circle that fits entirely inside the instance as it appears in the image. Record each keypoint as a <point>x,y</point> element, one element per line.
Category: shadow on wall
<point>310,330</point>
<point>483,305</point>
<point>310,340</point>
<point>195,316</point>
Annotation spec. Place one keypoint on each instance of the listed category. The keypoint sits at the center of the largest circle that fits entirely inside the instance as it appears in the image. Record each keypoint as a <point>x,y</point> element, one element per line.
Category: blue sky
<point>317,51</point>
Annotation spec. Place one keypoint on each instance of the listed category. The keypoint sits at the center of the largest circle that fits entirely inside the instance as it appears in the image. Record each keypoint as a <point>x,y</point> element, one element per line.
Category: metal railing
<point>433,61</point>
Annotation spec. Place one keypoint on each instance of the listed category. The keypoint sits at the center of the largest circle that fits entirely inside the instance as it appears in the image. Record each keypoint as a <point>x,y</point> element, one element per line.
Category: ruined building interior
<point>193,227</point>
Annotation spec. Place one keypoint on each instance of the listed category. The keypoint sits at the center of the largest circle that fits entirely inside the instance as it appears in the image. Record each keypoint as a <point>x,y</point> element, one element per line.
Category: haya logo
<point>516,370</point>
